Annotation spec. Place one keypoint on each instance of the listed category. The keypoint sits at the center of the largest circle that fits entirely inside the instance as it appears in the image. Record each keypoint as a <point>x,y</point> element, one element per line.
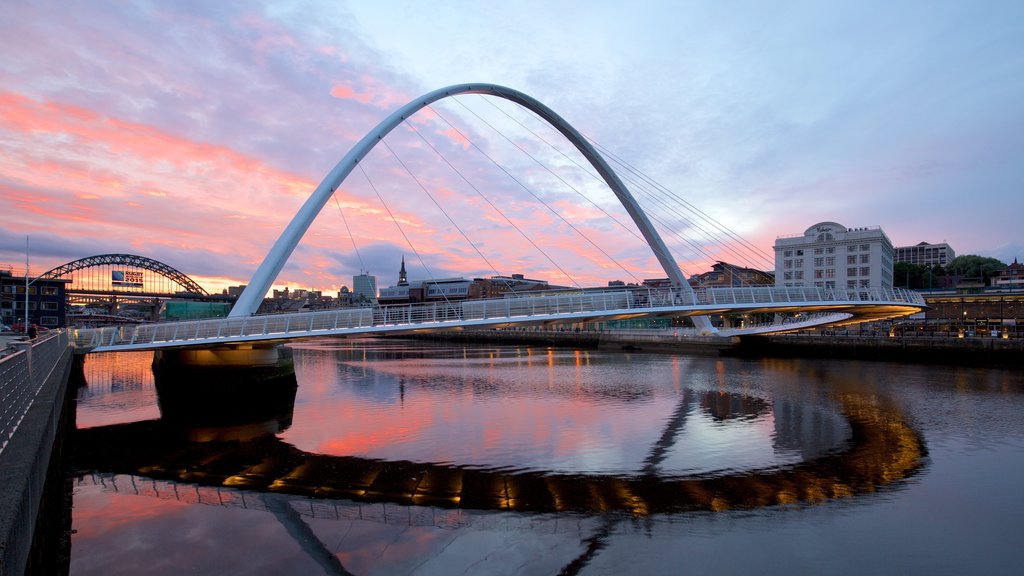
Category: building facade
<point>364,288</point>
<point>925,254</point>
<point>724,274</point>
<point>1009,278</point>
<point>830,255</point>
<point>47,301</point>
<point>433,290</point>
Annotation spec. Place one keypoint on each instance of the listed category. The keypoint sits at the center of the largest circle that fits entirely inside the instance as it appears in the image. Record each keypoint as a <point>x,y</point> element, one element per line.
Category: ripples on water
<point>411,442</point>
<point>552,411</point>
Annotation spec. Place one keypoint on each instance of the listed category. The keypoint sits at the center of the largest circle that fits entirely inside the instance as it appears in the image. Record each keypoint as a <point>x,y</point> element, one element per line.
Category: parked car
<point>20,327</point>
<point>5,328</point>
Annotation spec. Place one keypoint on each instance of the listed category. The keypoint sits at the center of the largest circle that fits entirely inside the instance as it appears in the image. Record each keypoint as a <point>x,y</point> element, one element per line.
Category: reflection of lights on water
<point>886,450</point>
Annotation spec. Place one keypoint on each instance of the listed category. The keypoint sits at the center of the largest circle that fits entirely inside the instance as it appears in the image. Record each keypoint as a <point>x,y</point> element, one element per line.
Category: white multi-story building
<point>925,254</point>
<point>829,255</point>
<point>364,287</point>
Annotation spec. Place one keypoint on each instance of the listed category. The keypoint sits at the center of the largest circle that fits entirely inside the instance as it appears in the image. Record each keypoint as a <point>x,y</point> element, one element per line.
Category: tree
<point>972,266</point>
<point>907,275</point>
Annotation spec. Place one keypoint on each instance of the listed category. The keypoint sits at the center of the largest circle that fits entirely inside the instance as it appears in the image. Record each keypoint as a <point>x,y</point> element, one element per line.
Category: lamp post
<point>27,284</point>
<point>25,325</point>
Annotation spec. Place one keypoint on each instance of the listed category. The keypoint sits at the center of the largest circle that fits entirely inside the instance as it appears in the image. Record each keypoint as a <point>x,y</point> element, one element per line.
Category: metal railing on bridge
<point>22,374</point>
<point>538,307</point>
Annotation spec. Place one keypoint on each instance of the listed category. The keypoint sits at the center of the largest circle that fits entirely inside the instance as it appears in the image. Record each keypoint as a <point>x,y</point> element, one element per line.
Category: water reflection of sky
<point>559,411</point>
<point>958,514</point>
<point>120,388</point>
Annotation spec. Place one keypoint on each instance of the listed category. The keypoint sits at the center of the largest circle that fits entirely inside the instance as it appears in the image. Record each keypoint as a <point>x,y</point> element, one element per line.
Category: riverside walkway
<point>33,386</point>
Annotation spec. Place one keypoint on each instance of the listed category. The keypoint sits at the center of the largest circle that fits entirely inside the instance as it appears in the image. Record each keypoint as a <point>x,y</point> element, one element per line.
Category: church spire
<point>402,279</point>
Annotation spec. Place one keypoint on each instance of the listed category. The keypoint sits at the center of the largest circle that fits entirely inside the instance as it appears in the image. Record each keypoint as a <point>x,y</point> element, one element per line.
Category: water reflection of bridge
<point>882,450</point>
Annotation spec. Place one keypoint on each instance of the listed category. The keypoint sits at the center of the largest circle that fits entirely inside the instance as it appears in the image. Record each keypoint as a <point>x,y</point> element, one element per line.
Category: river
<point>405,457</point>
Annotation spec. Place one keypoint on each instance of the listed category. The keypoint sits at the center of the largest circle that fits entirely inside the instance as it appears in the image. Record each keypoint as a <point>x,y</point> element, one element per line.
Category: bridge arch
<point>132,260</point>
<point>268,270</point>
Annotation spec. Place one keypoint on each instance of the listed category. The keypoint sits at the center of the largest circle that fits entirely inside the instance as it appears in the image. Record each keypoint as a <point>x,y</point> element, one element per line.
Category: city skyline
<point>191,133</point>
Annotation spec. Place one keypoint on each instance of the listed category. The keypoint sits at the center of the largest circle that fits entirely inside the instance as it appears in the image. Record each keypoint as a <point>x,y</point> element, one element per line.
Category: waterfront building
<point>499,286</point>
<point>431,290</point>
<point>925,254</point>
<point>830,255</point>
<point>725,274</point>
<point>1010,277</point>
<point>47,303</point>
<point>364,288</point>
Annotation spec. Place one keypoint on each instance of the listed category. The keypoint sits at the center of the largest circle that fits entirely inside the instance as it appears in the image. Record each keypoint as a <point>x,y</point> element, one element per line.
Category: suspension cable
<point>348,230</point>
<point>744,245</point>
<point>588,170</point>
<point>524,187</point>
<point>399,226</point>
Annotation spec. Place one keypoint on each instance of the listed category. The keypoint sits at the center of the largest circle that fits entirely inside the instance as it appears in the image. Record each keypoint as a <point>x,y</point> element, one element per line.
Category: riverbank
<point>958,351</point>
<point>962,351</point>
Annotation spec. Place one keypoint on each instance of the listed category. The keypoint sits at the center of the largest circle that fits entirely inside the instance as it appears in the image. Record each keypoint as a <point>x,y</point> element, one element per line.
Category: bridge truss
<point>123,263</point>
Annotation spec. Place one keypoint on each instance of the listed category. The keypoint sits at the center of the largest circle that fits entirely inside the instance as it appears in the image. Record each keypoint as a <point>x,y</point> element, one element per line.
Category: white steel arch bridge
<point>818,305</point>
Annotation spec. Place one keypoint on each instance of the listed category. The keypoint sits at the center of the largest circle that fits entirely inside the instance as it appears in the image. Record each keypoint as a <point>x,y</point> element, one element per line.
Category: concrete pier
<point>35,375</point>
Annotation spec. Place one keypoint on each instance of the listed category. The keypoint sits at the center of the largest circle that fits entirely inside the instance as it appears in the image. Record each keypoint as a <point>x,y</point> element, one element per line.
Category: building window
<point>787,253</point>
<point>865,283</point>
<point>851,271</point>
<point>865,258</point>
<point>830,260</point>
<point>830,250</point>
<point>799,275</point>
<point>851,284</point>
<point>817,274</point>
<point>787,264</point>
<point>830,273</point>
<point>48,320</point>
<point>49,305</point>
<point>865,247</point>
<point>799,263</point>
<point>852,259</point>
<point>788,276</point>
<point>865,271</point>
<point>799,252</point>
<point>48,290</point>
<point>819,261</point>
<point>819,250</point>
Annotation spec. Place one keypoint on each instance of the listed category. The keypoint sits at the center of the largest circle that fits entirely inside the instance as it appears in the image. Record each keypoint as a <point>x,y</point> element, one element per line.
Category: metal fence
<point>520,308</point>
<point>22,374</point>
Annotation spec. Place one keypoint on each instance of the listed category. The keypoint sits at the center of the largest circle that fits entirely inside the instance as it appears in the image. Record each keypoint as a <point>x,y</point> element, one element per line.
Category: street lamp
<point>27,284</point>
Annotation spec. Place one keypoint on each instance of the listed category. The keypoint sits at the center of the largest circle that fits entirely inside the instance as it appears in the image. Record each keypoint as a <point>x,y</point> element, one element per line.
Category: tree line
<point>915,276</point>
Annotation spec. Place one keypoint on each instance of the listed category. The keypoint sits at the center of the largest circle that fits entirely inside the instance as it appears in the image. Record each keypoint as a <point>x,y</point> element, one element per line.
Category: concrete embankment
<point>960,351</point>
<point>35,442</point>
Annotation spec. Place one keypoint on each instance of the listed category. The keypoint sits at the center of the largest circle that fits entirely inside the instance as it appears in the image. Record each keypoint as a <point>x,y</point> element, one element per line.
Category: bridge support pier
<point>238,356</point>
<point>236,392</point>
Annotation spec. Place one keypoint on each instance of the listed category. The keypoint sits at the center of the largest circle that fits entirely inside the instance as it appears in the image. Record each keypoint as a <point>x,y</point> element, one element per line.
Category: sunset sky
<point>190,132</point>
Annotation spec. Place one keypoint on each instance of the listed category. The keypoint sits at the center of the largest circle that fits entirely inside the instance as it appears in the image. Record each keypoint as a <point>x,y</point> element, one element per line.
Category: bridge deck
<point>520,310</point>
